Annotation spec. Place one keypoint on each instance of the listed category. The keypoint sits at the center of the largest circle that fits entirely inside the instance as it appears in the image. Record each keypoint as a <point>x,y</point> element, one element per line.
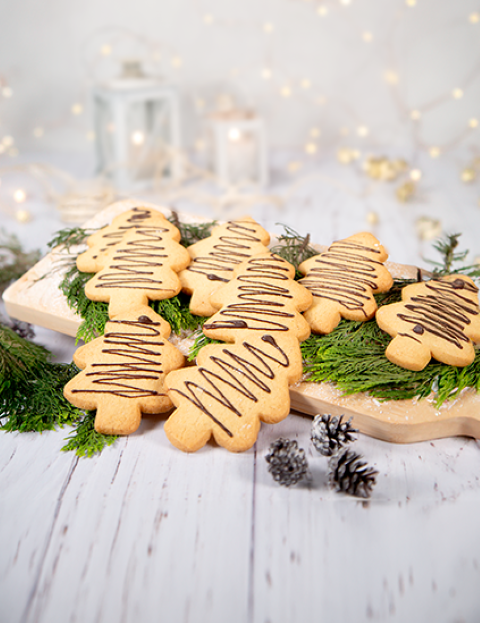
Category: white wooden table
<point>145,533</point>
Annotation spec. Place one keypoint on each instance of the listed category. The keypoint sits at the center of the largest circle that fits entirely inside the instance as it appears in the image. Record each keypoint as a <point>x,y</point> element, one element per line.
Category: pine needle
<point>294,248</point>
<point>69,237</point>
<point>450,259</point>
<point>84,440</point>
<point>31,387</point>
<point>191,232</point>
<point>201,340</point>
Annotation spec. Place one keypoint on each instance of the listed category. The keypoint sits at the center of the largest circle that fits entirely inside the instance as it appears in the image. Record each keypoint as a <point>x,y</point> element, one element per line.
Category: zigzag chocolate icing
<point>238,384</point>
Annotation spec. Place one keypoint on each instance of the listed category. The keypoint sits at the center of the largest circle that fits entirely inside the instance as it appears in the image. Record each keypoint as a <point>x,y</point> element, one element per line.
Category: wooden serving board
<point>37,299</point>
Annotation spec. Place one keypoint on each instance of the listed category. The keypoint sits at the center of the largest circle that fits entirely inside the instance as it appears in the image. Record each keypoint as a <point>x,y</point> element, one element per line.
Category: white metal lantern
<point>240,147</point>
<point>137,129</point>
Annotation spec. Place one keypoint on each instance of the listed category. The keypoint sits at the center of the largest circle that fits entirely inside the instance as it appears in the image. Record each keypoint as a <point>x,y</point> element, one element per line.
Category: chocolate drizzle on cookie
<point>444,312</point>
<point>232,248</point>
<point>238,384</point>
<point>231,369</point>
<point>133,263</point>
<point>345,274</point>
<point>136,351</point>
<point>139,217</point>
<point>262,303</point>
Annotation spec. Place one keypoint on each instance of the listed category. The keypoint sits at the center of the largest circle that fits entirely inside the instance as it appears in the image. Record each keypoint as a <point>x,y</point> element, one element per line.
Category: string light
<point>105,50</point>
<point>7,92</point>
<point>77,109</point>
<point>294,166</point>
<point>345,2</point>
<point>468,175</point>
<point>19,195</point>
<point>176,62</point>
<point>474,18</point>
<point>305,84</point>
<point>38,132</point>
<point>138,138</point>
<point>415,175</point>
<point>90,136</point>
<point>473,123</point>
<point>411,3</point>
<point>415,115</point>
<point>268,28</point>
<point>367,37</point>
<point>285,91</point>
<point>310,149</point>
<point>208,19</point>
<point>315,133</point>
<point>234,134</point>
<point>362,131</point>
<point>23,216</point>
<point>266,73</point>
<point>372,218</point>
<point>457,93</point>
<point>391,77</point>
<point>322,10</point>
<point>8,141</point>
<point>434,152</point>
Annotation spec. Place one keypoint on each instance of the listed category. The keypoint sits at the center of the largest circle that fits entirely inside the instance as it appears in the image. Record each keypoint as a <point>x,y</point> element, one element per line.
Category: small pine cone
<point>286,462</point>
<point>349,474</point>
<point>329,434</point>
<point>23,329</point>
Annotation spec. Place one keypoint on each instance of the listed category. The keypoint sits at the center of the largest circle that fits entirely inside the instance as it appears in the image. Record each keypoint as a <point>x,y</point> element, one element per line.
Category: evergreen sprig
<point>93,313</point>
<point>452,261</point>
<point>191,232</point>
<point>14,261</point>
<point>294,248</point>
<point>201,340</point>
<point>31,387</point>
<point>176,312</point>
<point>69,237</point>
<point>84,439</point>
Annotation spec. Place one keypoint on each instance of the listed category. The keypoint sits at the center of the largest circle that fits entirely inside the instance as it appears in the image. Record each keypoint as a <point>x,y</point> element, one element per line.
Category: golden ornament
<point>468,175</point>
<point>346,155</point>
<point>406,191</point>
<point>428,228</point>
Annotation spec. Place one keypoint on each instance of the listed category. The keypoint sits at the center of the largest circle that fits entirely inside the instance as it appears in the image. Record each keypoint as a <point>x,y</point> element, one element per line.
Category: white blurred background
<point>338,66</point>
<point>368,105</point>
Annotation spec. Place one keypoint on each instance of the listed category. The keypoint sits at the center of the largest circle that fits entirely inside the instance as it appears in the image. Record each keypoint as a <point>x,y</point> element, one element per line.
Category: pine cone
<point>329,434</point>
<point>23,329</point>
<point>286,462</point>
<point>349,474</point>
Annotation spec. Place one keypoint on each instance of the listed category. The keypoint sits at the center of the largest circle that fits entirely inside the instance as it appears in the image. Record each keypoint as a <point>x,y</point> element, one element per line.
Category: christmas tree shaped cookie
<point>102,241</point>
<point>215,258</point>
<point>237,385</point>
<point>142,267</point>
<point>438,318</point>
<point>123,372</point>
<point>343,281</point>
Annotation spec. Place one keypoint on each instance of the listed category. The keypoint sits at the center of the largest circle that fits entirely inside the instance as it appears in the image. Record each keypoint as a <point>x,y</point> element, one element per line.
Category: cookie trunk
<point>118,416</point>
